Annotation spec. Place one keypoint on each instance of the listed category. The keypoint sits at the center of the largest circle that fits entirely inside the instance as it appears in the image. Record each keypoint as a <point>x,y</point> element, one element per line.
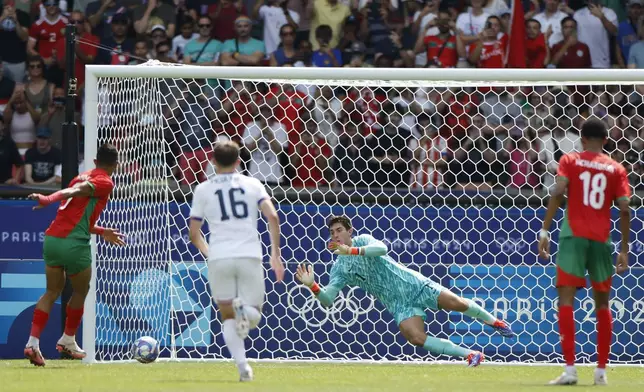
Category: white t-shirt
<point>421,58</point>
<point>470,24</point>
<point>591,31</point>
<point>496,7</point>
<point>555,22</point>
<point>230,205</point>
<point>274,19</point>
<point>264,164</point>
<point>178,43</point>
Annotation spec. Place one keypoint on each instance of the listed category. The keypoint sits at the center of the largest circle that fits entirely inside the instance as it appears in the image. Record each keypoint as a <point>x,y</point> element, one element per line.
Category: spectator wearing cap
<point>43,37</point>
<point>14,33</point>
<point>223,16</point>
<point>100,14</point>
<point>331,13</point>
<point>203,50</point>
<point>349,37</point>
<point>550,19</point>
<point>10,159</point>
<point>120,44</point>
<point>441,48</point>
<point>155,12</point>
<point>286,52</point>
<point>570,52</point>
<point>627,31</point>
<point>595,25</point>
<point>326,55</point>
<point>158,33</point>
<point>86,49</point>
<point>537,51</point>
<point>43,161</point>
<point>274,14</point>
<point>187,34</point>
<point>243,50</point>
<point>356,56</point>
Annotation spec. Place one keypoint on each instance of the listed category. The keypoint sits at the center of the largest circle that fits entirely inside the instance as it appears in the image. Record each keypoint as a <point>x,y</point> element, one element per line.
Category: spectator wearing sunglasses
<point>86,47</point>
<point>120,44</point>
<point>203,50</point>
<point>286,51</point>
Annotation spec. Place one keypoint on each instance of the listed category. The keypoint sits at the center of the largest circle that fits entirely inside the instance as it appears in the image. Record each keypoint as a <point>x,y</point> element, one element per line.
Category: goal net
<point>451,168</point>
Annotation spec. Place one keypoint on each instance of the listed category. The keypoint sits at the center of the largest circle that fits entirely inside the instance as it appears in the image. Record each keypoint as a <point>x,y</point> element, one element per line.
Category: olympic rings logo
<point>343,302</point>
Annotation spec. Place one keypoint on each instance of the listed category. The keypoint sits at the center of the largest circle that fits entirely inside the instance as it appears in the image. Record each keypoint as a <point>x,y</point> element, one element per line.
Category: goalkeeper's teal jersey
<point>390,282</point>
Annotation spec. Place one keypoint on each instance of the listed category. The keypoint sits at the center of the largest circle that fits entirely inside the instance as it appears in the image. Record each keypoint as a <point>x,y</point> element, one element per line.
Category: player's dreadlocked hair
<point>343,220</point>
<point>594,128</point>
<point>226,153</point>
<point>107,155</point>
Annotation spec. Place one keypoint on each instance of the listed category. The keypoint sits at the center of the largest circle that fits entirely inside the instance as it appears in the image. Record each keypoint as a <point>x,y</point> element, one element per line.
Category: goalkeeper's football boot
<point>70,348</point>
<point>34,356</point>
<point>246,373</point>
<point>242,325</point>
<point>568,377</point>
<point>503,328</point>
<point>475,359</point>
<point>600,377</point>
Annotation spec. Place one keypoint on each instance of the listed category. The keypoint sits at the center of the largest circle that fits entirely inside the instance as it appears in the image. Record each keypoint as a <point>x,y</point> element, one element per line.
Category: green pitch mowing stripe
<point>66,376</point>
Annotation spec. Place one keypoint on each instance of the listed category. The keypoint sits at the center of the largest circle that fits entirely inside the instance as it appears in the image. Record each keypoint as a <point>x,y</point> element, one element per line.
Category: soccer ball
<point>145,349</point>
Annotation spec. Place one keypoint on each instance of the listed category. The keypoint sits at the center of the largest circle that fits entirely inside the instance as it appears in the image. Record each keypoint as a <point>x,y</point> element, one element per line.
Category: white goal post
<point>450,167</point>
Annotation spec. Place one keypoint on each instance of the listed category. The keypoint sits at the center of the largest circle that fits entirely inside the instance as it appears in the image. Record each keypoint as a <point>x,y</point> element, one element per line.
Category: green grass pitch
<point>66,376</point>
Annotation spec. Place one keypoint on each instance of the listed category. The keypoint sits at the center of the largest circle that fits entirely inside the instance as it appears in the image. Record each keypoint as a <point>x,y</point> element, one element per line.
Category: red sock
<point>38,323</point>
<point>604,336</point>
<point>73,320</point>
<point>567,333</point>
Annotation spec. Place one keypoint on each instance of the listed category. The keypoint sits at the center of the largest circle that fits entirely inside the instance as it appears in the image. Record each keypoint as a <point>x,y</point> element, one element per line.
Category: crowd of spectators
<point>422,138</point>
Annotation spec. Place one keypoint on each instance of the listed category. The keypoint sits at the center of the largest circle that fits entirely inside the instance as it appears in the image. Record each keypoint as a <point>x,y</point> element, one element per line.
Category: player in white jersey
<point>230,202</point>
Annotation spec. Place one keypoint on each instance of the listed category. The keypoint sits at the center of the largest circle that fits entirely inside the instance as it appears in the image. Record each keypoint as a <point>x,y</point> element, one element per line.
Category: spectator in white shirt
<point>551,18</point>
<point>265,139</point>
<point>422,19</point>
<point>595,25</point>
<point>471,23</point>
<point>275,14</point>
<point>187,29</point>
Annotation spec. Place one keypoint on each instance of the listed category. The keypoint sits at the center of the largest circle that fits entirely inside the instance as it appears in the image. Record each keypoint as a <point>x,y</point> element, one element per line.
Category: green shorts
<point>73,255</point>
<point>577,255</point>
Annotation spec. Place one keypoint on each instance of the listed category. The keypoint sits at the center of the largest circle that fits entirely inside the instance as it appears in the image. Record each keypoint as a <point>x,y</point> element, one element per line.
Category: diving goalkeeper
<point>405,293</point>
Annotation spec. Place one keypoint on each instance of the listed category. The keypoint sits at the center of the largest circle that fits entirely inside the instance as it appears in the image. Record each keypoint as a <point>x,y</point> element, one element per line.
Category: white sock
<point>68,339</point>
<point>571,370</point>
<point>33,342</point>
<point>600,371</point>
<point>234,343</point>
<point>253,315</point>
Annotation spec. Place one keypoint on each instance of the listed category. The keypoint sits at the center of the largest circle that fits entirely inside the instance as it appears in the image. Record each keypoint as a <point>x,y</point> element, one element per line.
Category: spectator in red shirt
<point>489,50</point>
<point>569,52</point>
<point>537,52</point>
<point>44,35</point>
<point>440,48</point>
<point>86,49</point>
<point>223,17</point>
<point>310,157</point>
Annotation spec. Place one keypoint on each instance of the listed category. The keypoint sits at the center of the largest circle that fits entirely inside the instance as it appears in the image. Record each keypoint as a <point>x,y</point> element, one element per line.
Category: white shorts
<point>232,278</point>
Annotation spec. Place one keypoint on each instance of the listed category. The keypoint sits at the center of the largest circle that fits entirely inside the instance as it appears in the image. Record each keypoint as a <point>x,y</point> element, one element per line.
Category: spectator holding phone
<point>488,51</point>
<point>441,49</point>
<point>326,56</point>
<point>274,14</point>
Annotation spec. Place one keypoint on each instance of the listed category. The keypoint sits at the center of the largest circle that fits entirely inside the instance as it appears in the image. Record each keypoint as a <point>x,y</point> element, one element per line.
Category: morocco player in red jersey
<point>593,181</point>
<point>67,249</point>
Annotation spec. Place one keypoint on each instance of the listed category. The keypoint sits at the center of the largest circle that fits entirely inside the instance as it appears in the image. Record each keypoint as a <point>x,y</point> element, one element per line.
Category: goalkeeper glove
<point>307,277</point>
